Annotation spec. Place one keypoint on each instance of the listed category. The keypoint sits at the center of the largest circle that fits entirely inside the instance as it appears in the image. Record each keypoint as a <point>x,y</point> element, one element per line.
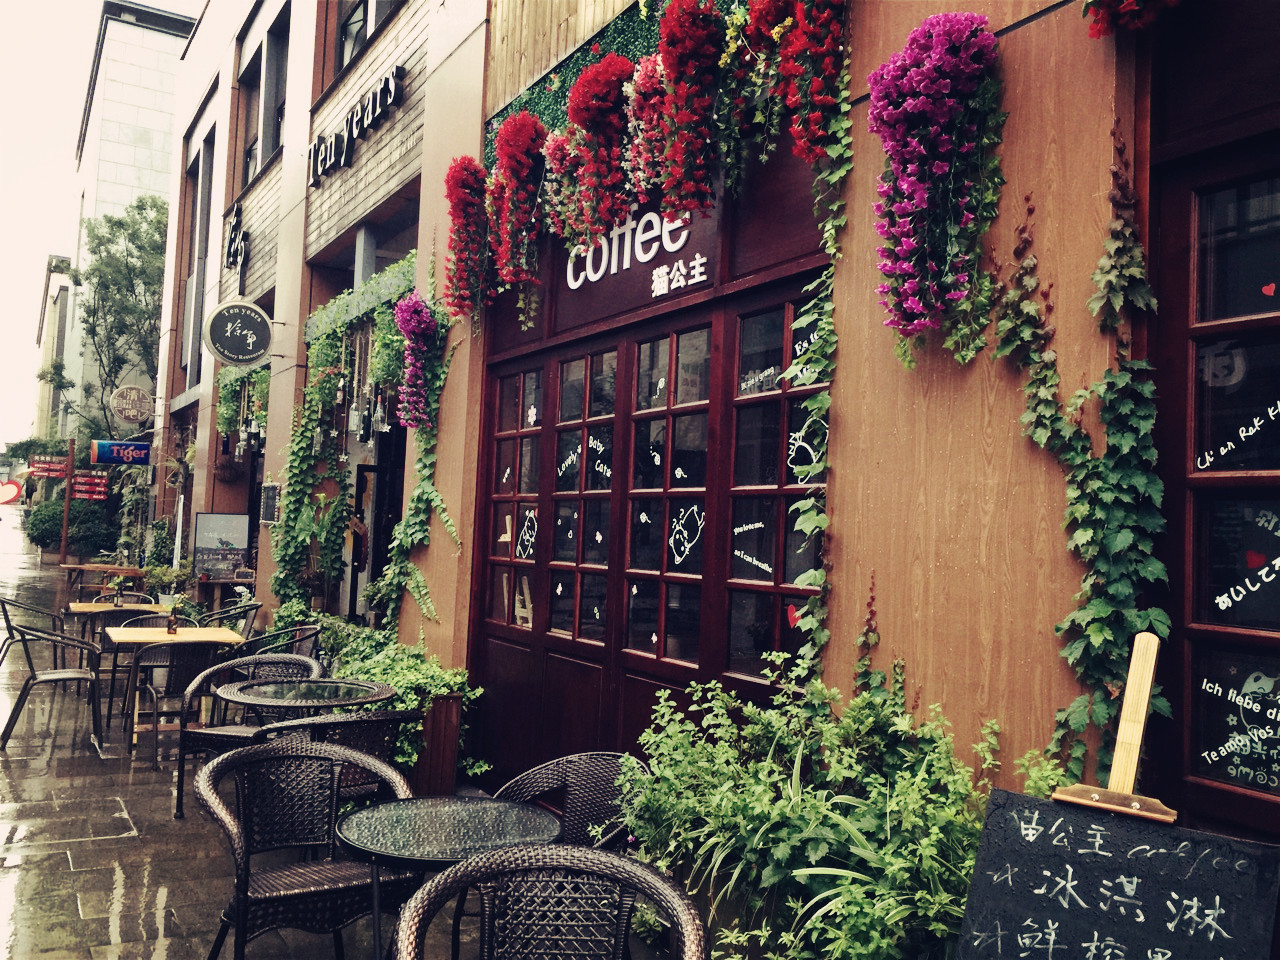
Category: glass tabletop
<point>436,831</point>
<point>305,693</point>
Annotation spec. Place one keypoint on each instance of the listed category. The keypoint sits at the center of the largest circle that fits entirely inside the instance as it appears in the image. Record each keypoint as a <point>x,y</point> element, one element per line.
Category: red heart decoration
<point>1269,290</point>
<point>10,491</point>
<point>793,615</point>
<point>1253,559</point>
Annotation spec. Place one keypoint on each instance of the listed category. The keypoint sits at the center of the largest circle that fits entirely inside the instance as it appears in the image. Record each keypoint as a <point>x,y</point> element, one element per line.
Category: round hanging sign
<point>238,332</point>
<point>131,404</point>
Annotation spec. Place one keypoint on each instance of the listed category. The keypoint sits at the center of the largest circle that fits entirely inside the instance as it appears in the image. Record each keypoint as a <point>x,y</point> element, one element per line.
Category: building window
<point>263,72</point>
<point>352,32</point>
<point>250,108</point>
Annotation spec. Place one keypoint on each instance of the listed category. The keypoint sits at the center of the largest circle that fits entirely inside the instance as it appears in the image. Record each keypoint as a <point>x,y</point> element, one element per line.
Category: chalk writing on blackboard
<point>1060,882</point>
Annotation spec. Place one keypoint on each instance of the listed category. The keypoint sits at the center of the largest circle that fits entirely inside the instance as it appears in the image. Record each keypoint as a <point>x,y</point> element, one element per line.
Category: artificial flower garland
<point>1108,16</point>
<point>934,106</point>
<point>598,118</point>
<point>690,40</point>
<point>647,94</point>
<point>511,198</point>
<point>467,266</point>
<point>810,57</point>
<point>418,324</point>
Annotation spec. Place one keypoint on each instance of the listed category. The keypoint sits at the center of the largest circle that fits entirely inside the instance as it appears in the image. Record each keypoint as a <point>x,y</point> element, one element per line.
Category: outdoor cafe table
<point>76,572</point>
<point>90,611</point>
<point>304,695</point>
<point>430,833</point>
<point>141,636</point>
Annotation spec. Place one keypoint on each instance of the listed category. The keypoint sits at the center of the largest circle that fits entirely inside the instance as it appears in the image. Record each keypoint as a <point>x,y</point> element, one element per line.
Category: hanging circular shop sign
<point>131,404</point>
<point>238,332</point>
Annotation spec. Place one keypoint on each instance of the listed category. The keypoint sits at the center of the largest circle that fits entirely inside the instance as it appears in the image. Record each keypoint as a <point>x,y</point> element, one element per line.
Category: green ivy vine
<point>1113,497</point>
<point>231,382</point>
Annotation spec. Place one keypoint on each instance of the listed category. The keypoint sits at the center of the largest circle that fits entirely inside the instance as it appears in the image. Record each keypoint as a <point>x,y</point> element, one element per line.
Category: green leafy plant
<point>232,383</point>
<point>91,527</point>
<point>164,578</point>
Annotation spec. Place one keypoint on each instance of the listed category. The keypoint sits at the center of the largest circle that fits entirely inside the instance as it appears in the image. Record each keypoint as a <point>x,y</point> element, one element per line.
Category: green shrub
<point>91,527</point>
<point>812,830</point>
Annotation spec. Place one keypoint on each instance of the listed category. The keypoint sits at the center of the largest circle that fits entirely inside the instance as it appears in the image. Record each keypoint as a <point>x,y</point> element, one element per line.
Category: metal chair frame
<point>247,611</point>
<point>104,641</point>
<point>7,610</point>
<point>89,657</point>
<point>181,661</point>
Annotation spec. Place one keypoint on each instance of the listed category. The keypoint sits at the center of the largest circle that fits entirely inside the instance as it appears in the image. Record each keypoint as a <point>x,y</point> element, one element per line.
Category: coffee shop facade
<point>622,461</point>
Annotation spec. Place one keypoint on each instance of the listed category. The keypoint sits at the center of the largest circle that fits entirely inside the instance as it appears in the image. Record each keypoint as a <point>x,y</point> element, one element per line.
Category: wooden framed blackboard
<point>1056,881</point>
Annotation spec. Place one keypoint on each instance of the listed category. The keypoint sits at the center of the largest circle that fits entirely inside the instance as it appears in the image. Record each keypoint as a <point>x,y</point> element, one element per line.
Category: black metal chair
<point>553,901</point>
<point>374,732</point>
<point>158,678</point>
<point>239,618</point>
<point>287,796</point>
<point>126,596</point>
<point>212,739</point>
<point>88,657</point>
<point>16,613</point>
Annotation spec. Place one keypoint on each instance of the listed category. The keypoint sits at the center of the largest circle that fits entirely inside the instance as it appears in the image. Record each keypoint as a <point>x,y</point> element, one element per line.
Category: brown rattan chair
<point>239,618</point>
<point>158,678</point>
<point>553,901</point>
<point>212,739</point>
<point>374,732</point>
<point>88,657</point>
<point>304,640</point>
<point>286,796</point>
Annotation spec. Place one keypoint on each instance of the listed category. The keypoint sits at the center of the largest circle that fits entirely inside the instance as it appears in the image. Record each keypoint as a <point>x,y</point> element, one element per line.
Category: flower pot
<point>167,599</point>
<point>436,772</point>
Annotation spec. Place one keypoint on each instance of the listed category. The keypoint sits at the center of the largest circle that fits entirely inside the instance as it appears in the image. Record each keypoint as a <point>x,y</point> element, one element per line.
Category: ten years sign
<point>1055,881</point>
<point>238,332</point>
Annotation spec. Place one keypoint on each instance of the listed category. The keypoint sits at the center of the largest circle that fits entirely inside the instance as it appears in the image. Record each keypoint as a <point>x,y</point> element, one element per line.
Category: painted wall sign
<point>1058,881</point>
<point>132,404</point>
<point>130,452</point>
<point>238,332</point>
<point>236,256</point>
<point>337,149</point>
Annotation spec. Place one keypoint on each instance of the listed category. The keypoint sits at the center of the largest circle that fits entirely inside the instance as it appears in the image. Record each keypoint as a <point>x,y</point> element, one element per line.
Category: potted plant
<point>167,582</point>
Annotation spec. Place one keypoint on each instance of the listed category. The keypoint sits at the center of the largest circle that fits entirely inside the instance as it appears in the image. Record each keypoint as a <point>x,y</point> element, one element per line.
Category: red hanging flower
<point>648,94</point>
<point>690,42</point>
<point>1110,15</point>
<point>812,58</point>
<point>467,267</point>
<point>511,197</point>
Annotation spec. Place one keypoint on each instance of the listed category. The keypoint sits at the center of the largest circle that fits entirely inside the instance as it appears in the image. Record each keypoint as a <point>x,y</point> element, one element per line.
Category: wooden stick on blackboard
<point>1119,797</point>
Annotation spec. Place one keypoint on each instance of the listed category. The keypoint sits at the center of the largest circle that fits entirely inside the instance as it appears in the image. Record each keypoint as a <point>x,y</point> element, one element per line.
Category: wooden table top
<point>103,568</point>
<point>84,608</point>
<point>144,635</point>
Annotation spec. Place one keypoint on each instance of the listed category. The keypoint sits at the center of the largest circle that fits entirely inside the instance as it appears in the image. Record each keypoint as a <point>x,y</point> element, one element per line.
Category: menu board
<point>221,544</point>
<point>1057,881</point>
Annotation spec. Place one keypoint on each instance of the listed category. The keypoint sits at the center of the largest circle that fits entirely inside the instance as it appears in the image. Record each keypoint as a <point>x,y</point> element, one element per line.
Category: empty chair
<point>87,656</point>
<point>158,678</point>
<point>556,900</point>
<point>239,618</point>
<point>126,596</point>
<point>374,732</point>
<point>303,640</point>
<point>286,795</point>
<point>211,739</point>
<point>122,654</point>
<point>15,613</point>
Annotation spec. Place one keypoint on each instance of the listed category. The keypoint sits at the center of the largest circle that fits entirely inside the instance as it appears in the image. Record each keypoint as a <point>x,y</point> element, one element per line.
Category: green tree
<point>122,289</point>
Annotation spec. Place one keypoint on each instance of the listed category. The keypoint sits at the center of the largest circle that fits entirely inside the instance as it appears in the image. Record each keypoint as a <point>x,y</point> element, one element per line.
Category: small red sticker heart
<point>1269,290</point>
<point>1253,559</point>
<point>793,615</point>
<point>10,491</point>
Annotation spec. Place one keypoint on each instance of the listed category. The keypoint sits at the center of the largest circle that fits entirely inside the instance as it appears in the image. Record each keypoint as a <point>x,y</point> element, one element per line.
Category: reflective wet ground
<point>92,863</point>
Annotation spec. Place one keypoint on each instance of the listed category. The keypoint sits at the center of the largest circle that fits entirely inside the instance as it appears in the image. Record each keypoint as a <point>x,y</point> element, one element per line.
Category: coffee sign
<point>131,404</point>
<point>238,333</point>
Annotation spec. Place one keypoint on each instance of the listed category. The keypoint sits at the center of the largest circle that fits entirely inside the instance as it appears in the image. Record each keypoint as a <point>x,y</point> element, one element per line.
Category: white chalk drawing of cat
<point>686,529</point>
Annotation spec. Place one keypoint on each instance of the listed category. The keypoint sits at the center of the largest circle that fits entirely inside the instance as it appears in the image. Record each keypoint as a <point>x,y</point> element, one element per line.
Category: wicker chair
<point>553,901</point>
<point>287,796</point>
<point>194,738</point>
<point>304,640</point>
<point>17,613</point>
<point>88,656</point>
<point>239,617</point>
<point>158,678</point>
<point>374,732</point>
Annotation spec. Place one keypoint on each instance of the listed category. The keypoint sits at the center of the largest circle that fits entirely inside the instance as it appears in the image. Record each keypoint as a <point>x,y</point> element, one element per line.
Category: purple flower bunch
<point>418,324</point>
<point>921,109</point>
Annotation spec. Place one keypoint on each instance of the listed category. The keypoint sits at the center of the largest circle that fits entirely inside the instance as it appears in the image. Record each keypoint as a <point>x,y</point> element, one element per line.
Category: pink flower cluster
<point>919,109</point>
<point>644,118</point>
<point>418,324</point>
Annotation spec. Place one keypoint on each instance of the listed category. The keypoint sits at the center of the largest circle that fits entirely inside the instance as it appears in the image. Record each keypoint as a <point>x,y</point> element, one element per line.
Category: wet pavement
<point>92,864</point>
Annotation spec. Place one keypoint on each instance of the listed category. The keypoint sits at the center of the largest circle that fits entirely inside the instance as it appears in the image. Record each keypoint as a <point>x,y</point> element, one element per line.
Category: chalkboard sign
<point>1055,881</point>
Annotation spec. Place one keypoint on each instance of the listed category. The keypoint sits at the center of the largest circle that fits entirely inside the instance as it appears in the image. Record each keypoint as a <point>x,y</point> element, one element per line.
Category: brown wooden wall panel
<point>933,489</point>
<point>528,39</point>
<point>571,706</point>
<point>506,731</point>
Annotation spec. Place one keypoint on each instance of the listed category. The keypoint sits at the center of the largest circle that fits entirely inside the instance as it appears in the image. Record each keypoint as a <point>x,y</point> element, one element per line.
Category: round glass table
<point>304,695</point>
<point>429,833</point>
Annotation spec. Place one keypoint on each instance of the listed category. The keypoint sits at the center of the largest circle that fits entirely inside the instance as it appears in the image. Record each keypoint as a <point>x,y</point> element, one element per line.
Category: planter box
<point>436,772</point>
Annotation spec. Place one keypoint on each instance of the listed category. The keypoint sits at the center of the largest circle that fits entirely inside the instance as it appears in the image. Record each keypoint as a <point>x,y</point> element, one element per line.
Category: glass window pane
<point>504,474</point>
<point>800,553</point>
<point>648,469</point>
<point>591,620</point>
<point>529,465</point>
<point>604,383</point>
<point>595,531</point>
<point>527,538</point>
<point>1237,561</point>
<point>806,434</point>
<point>651,374</point>
<point>572,377</point>
<point>522,603</point>
<point>500,594</point>
<point>646,534</point>
<point>755,449</point>
<point>752,620</point>
<point>568,460</point>
<point>1238,405</point>
<point>565,546</point>
<point>508,403</point>
<point>693,366</point>
<point>684,621</point>
<point>689,451</point>
<point>684,539</point>
<point>755,532</point>
<point>760,352</point>
<point>1240,250</point>
<point>793,610</point>
<point>532,413</point>
<point>642,615</point>
<point>600,457</point>
<point>562,600</point>
<point>502,514</point>
<point>1231,740</point>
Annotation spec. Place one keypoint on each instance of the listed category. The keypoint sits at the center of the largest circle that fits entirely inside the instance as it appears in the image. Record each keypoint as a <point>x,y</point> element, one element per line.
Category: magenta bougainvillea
<point>690,42</point>
<point>811,56</point>
<point>934,106</point>
<point>511,197</point>
<point>1108,16</point>
<point>465,283</point>
<point>418,324</point>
